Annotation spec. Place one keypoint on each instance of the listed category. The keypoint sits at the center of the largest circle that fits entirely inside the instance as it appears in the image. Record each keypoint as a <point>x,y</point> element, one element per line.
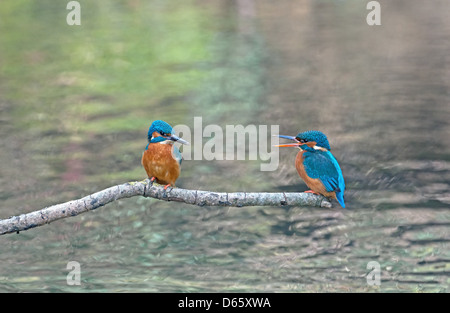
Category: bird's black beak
<point>177,139</point>
<point>288,137</point>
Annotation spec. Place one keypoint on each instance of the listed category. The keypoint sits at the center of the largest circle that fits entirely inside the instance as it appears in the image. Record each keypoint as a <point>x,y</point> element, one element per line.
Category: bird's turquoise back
<point>341,182</point>
<point>322,165</point>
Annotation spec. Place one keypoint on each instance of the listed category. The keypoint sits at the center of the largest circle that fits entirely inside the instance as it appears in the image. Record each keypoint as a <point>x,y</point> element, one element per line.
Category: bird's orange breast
<point>314,183</point>
<point>158,162</point>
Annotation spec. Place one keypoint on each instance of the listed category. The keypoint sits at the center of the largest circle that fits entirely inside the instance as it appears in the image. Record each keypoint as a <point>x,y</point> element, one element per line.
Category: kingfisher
<point>316,165</point>
<point>161,159</point>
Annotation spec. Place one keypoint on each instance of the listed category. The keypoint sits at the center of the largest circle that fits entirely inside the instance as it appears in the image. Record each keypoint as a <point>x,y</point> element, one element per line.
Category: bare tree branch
<point>147,189</point>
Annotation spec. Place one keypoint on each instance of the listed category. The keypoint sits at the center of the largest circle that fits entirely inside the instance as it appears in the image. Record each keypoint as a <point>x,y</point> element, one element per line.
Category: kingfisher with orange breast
<point>161,159</point>
<point>316,165</point>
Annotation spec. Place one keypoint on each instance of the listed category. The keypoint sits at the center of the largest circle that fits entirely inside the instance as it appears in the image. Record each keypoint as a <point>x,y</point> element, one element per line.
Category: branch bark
<point>146,189</point>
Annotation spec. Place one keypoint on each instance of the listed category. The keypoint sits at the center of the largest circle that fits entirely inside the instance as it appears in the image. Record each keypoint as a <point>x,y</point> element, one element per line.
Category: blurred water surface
<point>76,103</point>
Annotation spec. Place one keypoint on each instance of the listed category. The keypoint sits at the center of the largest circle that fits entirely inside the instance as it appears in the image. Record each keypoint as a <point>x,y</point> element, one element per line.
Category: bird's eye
<point>303,140</point>
<point>162,133</point>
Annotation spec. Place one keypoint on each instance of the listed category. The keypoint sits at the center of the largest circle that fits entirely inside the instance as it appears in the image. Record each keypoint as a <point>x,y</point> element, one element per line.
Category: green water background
<point>76,103</point>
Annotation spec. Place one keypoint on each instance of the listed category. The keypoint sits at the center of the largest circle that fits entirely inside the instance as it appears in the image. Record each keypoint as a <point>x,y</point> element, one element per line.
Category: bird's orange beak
<point>289,145</point>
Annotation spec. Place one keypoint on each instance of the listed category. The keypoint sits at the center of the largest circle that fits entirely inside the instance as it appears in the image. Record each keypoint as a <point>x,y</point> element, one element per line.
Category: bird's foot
<point>167,186</point>
<point>310,191</point>
<point>152,180</point>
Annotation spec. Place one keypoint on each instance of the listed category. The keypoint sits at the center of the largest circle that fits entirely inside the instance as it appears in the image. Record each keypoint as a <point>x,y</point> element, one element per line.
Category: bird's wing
<point>177,155</point>
<point>319,165</point>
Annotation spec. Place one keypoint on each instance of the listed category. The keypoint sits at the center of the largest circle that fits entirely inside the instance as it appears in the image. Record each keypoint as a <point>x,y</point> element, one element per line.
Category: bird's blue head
<point>307,139</point>
<point>314,135</point>
<point>161,131</point>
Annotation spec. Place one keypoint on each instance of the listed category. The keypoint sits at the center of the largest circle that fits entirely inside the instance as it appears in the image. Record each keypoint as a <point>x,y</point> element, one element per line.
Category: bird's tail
<point>340,198</point>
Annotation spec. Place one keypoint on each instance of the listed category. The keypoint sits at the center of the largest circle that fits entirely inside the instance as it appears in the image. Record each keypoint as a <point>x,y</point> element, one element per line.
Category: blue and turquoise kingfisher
<point>317,166</point>
<point>161,159</point>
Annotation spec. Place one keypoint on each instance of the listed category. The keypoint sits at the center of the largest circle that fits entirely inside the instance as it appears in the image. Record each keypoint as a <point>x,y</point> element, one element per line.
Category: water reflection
<point>75,108</point>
